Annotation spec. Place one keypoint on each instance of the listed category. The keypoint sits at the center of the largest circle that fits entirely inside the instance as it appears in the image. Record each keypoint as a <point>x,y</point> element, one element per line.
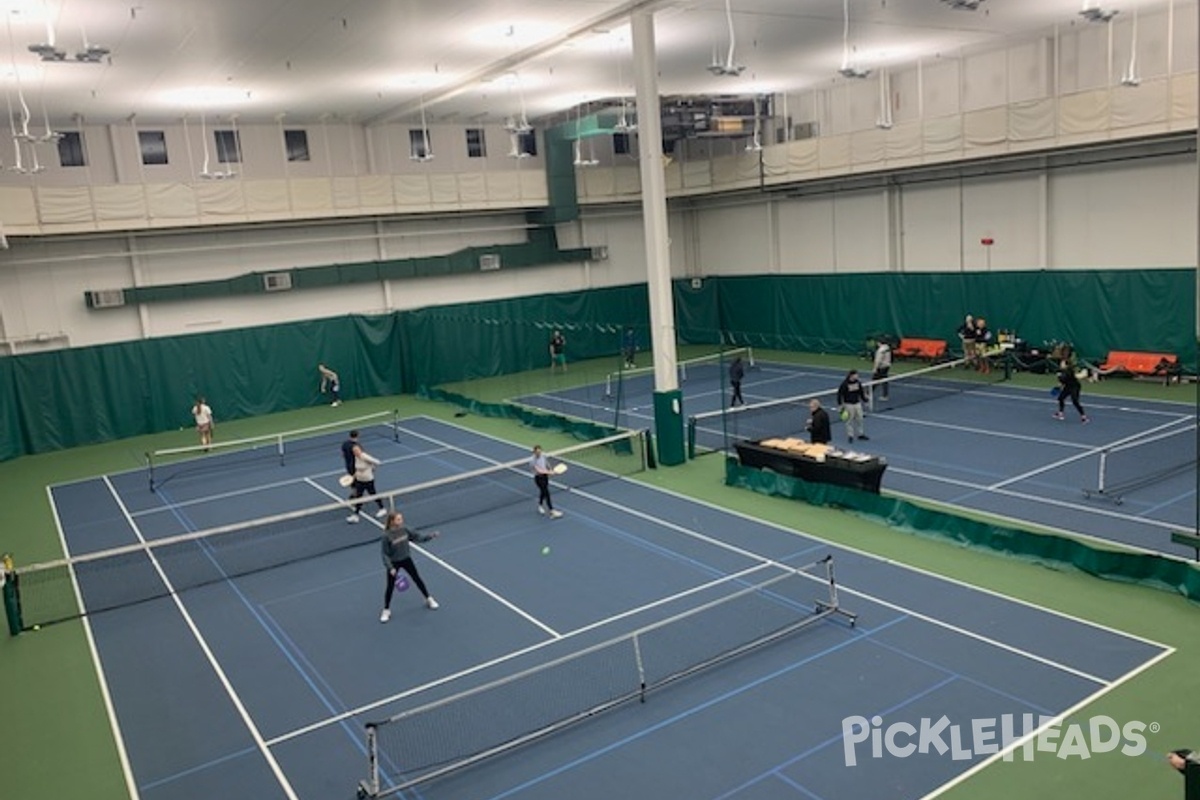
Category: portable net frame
<point>700,365</point>
<point>719,431</point>
<point>448,735</point>
<point>1138,462</point>
<point>96,582</point>
<point>168,463</point>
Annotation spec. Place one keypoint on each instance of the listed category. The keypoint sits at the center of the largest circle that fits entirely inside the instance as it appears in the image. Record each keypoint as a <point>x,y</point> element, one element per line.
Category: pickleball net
<point>719,431</point>
<point>1142,461</point>
<point>173,462</point>
<point>707,367</point>
<point>438,738</point>
<point>96,582</point>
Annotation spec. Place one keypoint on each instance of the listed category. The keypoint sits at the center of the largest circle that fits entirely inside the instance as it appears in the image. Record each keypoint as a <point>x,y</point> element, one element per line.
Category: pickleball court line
<point>461,575</point>
<point>755,556</point>
<point>257,488</point>
<point>255,734</point>
<point>367,707</point>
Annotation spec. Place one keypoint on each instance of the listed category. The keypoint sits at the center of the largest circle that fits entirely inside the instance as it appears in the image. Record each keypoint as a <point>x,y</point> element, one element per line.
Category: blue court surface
<point>259,686</point>
<point>995,448</point>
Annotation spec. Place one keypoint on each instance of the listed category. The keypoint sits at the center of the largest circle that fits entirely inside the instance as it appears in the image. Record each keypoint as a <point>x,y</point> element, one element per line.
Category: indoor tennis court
<point>269,674</point>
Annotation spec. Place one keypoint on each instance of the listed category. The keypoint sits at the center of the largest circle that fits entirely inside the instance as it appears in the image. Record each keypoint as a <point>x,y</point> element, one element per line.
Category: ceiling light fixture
<point>623,125</point>
<point>580,161</point>
<point>849,70</point>
<point>729,69</point>
<point>963,5</point>
<point>1130,77</point>
<point>204,170</point>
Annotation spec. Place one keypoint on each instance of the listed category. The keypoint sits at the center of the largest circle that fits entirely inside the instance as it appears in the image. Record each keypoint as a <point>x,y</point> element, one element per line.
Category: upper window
<point>229,147</point>
<point>527,143</point>
<point>476,143</point>
<point>70,149</point>
<point>418,143</point>
<point>621,144</point>
<point>295,142</point>
<point>154,147</point>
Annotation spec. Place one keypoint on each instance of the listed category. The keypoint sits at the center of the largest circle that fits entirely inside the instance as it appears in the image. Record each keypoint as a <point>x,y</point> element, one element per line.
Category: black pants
<point>543,484</point>
<point>1071,392</point>
<point>737,394</point>
<point>408,566</point>
<point>881,375</point>
<point>362,488</point>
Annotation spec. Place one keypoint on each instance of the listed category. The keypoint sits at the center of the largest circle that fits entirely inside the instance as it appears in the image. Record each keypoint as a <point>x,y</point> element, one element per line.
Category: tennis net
<point>447,735</point>
<point>718,431</point>
<point>109,579</point>
<point>173,462</point>
<point>1137,463</point>
<point>697,367</point>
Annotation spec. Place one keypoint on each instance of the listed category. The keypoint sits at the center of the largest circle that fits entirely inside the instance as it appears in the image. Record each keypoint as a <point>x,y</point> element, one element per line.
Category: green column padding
<point>668,427</point>
<point>12,608</point>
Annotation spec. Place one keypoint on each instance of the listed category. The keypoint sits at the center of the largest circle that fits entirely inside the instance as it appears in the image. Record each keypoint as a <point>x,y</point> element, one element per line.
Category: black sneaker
<point>863,438</point>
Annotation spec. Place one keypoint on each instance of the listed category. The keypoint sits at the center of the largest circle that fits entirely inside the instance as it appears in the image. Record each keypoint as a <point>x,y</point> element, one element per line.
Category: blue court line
<point>854,638</point>
<point>198,768</point>
<point>965,678</point>
<point>774,771</point>
<point>258,616</point>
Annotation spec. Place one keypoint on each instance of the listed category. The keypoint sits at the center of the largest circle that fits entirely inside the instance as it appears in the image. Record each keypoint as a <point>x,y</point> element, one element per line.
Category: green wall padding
<point>147,386</point>
<point>67,398</point>
<point>1047,548</point>
<point>1096,310</point>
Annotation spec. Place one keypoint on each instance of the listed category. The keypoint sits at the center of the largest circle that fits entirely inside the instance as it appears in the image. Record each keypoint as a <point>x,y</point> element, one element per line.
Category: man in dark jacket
<point>818,423</point>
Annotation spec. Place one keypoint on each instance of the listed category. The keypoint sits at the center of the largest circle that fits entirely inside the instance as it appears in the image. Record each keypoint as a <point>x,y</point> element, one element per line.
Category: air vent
<point>489,262</point>
<point>599,253</point>
<point>277,281</point>
<point>806,130</point>
<point>105,298</point>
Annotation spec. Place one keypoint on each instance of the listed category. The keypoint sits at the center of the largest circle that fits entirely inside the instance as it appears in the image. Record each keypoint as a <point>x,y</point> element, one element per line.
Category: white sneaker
<point>431,604</point>
<point>541,509</point>
<point>381,513</point>
<point>352,519</point>
<point>385,615</point>
<point>336,403</point>
<point>555,514</point>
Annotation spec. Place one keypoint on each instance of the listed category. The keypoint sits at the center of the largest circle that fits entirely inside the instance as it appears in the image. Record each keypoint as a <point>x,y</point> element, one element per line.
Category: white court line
<point>255,734</point>
<point>874,557</point>
<point>1012,748</point>
<point>1088,509</point>
<point>1096,450</point>
<point>109,708</point>
<point>755,556</point>
<point>273,485</point>
<point>462,575</point>
<point>512,655</point>
<point>910,568</point>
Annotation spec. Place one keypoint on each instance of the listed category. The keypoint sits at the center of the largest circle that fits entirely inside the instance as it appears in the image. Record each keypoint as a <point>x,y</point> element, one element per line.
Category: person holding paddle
<point>541,478</point>
<point>398,556</point>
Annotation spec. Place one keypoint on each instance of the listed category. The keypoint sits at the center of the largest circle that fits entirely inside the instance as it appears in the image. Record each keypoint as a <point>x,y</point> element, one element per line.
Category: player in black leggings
<point>397,556</point>
<point>1069,387</point>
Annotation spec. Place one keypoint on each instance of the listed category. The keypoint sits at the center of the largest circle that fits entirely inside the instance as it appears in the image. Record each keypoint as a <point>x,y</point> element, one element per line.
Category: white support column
<point>654,202</point>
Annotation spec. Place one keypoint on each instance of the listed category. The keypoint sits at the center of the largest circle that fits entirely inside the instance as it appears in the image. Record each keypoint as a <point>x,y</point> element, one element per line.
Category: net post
<point>1103,470</point>
<point>370,786</point>
<point>750,356</point>
<point>150,469</point>
<point>691,437</point>
<point>608,384</point>
<point>395,425</point>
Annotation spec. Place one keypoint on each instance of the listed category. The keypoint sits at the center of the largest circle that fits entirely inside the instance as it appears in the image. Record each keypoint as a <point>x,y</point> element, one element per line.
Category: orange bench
<point>1138,363</point>
<point>931,349</point>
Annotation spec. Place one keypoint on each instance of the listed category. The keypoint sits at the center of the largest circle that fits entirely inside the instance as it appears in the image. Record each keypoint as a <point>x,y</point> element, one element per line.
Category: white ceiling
<point>375,60</point>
